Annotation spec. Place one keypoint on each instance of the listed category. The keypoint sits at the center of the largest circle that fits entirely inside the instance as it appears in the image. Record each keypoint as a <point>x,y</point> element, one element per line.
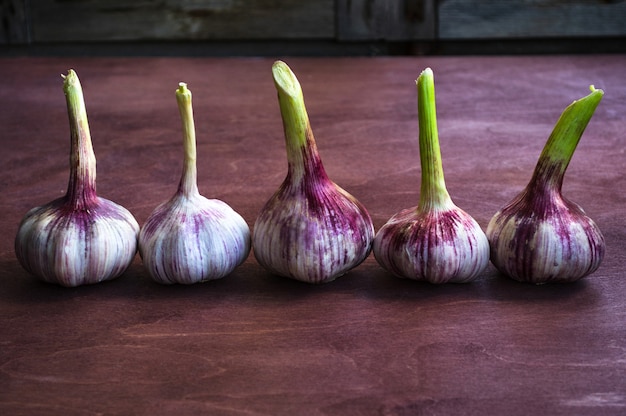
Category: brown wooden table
<point>366,344</point>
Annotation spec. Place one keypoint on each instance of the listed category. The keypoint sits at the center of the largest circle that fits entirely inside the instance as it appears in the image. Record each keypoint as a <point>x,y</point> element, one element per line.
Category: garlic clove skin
<point>436,247</point>
<point>540,236</point>
<point>310,230</point>
<point>191,239</point>
<point>561,245</point>
<point>74,248</point>
<point>312,238</point>
<point>436,241</point>
<point>78,239</point>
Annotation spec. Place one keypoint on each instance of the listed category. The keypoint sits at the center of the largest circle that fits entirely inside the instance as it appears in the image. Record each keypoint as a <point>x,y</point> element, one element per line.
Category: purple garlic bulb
<point>311,229</point>
<point>435,241</point>
<point>540,236</point>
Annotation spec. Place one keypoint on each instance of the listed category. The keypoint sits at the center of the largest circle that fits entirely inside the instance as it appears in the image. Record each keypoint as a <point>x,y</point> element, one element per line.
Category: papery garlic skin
<point>540,236</point>
<point>314,238</point>
<point>74,248</point>
<point>311,229</point>
<point>446,246</point>
<point>80,238</point>
<point>563,245</point>
<point>192,239</point>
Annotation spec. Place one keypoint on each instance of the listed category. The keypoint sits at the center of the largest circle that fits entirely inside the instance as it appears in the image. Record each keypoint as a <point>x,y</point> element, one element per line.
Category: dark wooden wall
<point>45,22</point>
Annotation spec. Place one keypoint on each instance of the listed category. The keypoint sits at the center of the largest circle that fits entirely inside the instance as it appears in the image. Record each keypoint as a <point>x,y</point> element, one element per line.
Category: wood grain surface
<point>366,344</point>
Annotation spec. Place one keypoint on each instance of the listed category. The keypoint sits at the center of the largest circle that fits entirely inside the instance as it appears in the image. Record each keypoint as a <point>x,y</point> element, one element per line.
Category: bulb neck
<point>433,193</point>
<point>304,162</point>
<point>188,185</point>
<point>81,190</point>
<point>561,145</point>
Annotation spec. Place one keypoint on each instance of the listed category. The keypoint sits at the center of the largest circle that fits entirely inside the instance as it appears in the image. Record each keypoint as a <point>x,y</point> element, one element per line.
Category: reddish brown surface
<point>366,344</point>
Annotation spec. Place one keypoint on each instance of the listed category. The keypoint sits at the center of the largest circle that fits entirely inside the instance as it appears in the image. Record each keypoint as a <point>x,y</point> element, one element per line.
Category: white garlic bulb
<point>80,238</point>
<point>190,238</point>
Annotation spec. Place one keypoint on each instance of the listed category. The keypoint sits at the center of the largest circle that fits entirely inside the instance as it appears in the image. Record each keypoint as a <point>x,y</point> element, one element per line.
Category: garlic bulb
<point>540,236</point>
<point>311,229</point>
<point>435,241</point>
<point>80,238</point>
<point>190,238</point>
